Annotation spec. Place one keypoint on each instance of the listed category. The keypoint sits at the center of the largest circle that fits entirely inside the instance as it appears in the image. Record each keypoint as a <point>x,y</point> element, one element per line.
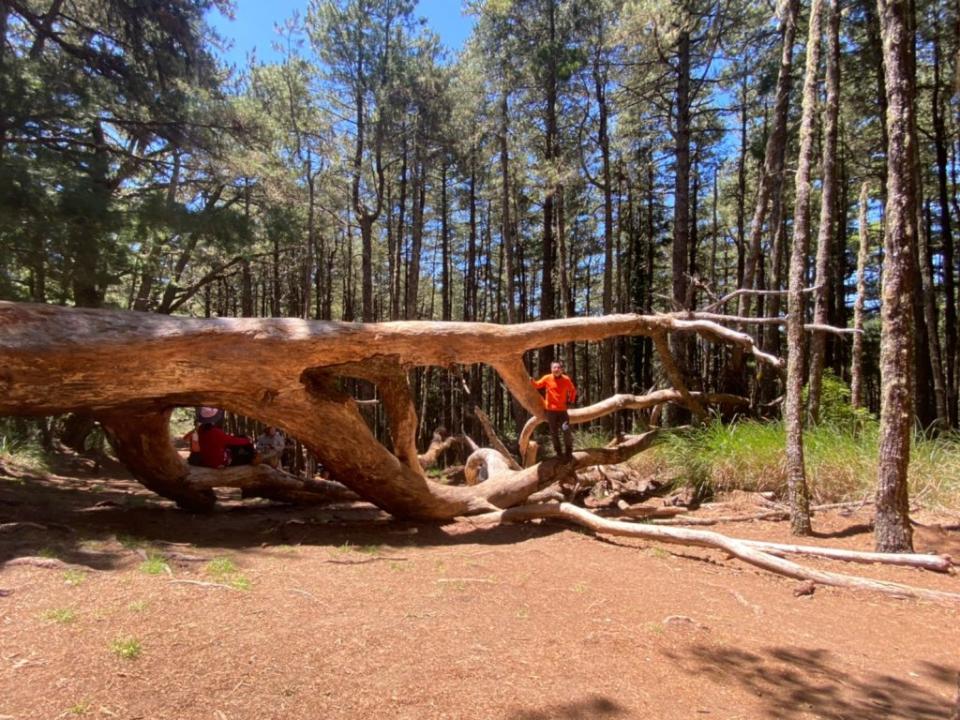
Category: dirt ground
<point>261,611</point>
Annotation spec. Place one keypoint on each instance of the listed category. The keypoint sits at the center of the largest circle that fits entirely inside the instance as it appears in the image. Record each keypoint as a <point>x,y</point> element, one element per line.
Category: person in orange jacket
<point>559,392</point>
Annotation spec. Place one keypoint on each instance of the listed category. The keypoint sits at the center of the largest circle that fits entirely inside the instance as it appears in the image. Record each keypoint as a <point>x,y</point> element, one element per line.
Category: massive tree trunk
<point>892,531</point>
<point>287,373</point>
<point>793,404</point>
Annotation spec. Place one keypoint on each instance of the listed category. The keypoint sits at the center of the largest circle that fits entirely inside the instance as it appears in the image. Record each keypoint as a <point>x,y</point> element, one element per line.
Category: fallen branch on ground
<point>704,538</point>
<point>937,563</point>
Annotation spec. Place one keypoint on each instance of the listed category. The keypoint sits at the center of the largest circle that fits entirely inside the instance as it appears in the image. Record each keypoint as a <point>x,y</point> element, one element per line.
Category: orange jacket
<point>560,391</point>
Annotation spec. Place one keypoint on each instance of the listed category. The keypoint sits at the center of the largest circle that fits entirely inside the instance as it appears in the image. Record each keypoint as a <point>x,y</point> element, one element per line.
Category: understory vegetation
<point>841,461</point>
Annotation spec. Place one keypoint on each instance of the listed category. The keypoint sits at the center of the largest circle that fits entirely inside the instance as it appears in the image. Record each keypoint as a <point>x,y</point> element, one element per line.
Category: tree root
<point>46,563</point>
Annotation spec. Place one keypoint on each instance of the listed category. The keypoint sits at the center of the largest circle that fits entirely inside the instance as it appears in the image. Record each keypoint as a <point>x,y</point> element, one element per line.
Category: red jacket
<point>560,391</point>
<point>213,446</point>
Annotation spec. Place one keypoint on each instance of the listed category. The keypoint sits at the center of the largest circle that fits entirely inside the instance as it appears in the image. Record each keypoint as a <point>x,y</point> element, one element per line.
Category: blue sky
<point>254,22</point>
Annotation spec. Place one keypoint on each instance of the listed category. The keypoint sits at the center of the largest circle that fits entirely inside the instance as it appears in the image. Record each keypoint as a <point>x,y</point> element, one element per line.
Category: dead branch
<point>629,402</point>
<point>493,438</point>
<point>201,583</point>
<point>748,291</point>
<point>936,563</point>
<point>439,444</point>
<point>782,320</point>
<point>769,515</point>
<point>733,546</point>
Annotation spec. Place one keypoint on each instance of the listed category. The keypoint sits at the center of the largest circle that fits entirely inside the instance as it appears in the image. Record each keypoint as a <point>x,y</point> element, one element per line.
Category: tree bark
<point>856,364</point>
<point>793,404</point>
<point>285,372</point>
<point>892,525</point>
<point>828,203</point>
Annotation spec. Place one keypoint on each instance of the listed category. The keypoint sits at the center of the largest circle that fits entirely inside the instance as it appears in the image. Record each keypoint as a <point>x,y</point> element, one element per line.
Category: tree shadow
<point>849,531</point>
<point>101,522</point>
<point>797,682</point>
<point>589,708</point>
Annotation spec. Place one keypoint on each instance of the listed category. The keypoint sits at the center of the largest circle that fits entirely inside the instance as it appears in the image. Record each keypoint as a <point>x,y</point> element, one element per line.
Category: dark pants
<point>559,420</point>
<point>241,454</point>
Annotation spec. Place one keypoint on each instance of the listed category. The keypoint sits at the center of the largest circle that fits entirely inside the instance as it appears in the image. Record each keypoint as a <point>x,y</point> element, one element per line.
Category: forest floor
<point>261,611</point>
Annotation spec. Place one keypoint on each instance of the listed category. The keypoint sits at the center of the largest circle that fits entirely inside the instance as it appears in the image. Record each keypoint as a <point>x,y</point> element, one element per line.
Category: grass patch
<point>63,616</point>
<point>131,542</point>
<point>841,461</point>
<point>137,606</point>
<point>48,553</point>
<point>221,568</point>
<point>26,455</point>
<point>155,565</point>
<point>126,647</point>
<point>224,570</point>
<point>74,577</point>
<point>80,708</point>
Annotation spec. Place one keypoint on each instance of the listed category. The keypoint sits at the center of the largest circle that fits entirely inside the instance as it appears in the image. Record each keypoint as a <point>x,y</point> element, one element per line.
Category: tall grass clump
<point>20,443</point>
<point>841,454</point>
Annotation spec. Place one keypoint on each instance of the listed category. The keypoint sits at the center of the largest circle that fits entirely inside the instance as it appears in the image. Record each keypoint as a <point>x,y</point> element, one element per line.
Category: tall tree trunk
<point>607,363</point>
<point>551,155</point>
<point>470,281</point>
<point>793,403</point>
<point>856,365</point>
<point>397,282</point>
<point>742,187</point>
<point>946,232</point>
<point>506,233</point>
<point>416,232</point>
<point>682,347</point>
<point>446,290</point>
<point>892,522</point>
<point>308,262</point>
<point>775,152</point>
<point>828,204</point>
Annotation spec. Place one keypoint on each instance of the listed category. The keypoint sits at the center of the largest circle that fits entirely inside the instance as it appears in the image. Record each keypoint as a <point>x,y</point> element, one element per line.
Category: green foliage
<point>155,565</point>
<point>225,571</point>
<point>835,408</point>
<point>63,616</point>
<point>81,707</point>
<point>841,461</point>
<point>126,647</point>
<point>74,577</point>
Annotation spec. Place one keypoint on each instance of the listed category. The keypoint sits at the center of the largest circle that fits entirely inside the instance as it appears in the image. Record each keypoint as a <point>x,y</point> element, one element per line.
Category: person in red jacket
<point>559,391</point>
<point>219,449</point>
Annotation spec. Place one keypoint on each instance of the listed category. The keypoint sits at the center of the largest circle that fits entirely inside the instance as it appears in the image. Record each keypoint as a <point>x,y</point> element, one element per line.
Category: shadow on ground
<point>592,708</point>
<point>94,514</point>
<point>804,682</point>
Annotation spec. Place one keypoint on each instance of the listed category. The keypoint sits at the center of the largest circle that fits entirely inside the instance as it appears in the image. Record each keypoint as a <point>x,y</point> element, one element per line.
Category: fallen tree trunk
<point>740,549</point>
<point>129,369</point>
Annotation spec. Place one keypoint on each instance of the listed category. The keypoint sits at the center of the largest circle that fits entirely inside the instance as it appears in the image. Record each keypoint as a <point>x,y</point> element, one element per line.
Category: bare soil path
<point>345,613</point>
